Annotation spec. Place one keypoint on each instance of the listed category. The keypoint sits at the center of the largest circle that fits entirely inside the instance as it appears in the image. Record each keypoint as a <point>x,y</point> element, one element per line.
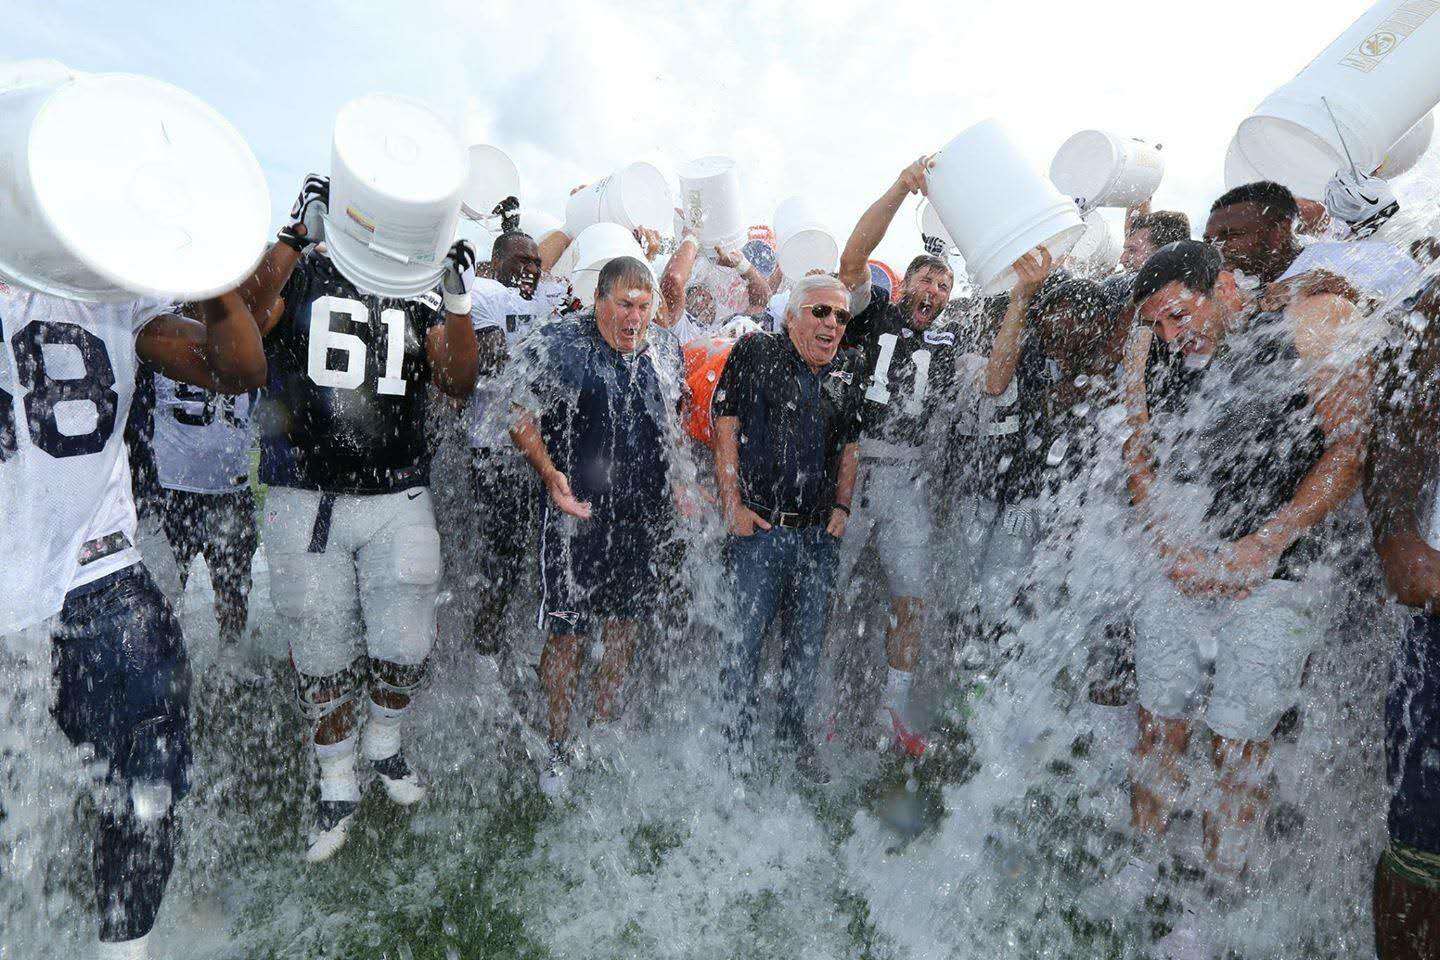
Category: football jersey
<point>347,390</point>
<point>495,306</point>
<point>910,375</point>
<point>67,378</point>
<point>201,438</point>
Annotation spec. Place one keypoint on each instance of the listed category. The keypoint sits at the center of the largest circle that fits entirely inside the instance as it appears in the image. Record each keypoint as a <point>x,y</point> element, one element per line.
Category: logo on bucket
<point>1387,36</point>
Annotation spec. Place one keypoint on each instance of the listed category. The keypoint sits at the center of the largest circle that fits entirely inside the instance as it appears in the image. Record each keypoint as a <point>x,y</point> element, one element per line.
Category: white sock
<point>337,770</point>
<point>137,949</point>
<point>897,689</point>
<point>381,739</point>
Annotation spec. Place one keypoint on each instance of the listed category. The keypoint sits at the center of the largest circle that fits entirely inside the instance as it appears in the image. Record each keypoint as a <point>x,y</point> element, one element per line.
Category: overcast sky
<point>826,97</point>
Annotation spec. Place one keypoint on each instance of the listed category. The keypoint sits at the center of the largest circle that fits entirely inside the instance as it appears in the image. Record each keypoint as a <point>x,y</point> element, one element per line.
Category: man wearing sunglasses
<point>1247,431</point>
<point>787,415</point>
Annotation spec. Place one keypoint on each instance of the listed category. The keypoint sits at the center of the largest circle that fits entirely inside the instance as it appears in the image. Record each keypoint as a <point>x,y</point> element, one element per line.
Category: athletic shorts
<point>592,570</point>
<point>353,575</point>
<point>122,679</point>
<point>891,507</point>
<point>1412,737</point>
<point>991,553</point>
<point>1258,647</point>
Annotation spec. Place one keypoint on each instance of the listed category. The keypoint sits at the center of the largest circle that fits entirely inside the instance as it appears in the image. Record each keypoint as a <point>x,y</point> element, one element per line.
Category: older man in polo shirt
<point>787,423</point>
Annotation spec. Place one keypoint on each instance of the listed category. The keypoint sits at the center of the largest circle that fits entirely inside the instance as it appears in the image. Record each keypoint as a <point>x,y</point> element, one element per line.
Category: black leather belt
<point>786,518</point>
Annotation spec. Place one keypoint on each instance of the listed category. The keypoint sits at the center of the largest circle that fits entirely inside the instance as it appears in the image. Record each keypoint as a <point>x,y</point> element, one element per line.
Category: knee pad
<point>404,679</point>
<point>417,555</point>
<point>319,697</point>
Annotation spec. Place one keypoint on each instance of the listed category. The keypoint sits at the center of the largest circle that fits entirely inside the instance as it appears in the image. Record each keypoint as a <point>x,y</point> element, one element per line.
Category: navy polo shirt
<point>794,422</point>
<point>607,418</point>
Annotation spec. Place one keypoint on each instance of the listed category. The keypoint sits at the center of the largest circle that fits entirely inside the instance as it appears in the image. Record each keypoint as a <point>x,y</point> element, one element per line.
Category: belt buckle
<point>788,519</point>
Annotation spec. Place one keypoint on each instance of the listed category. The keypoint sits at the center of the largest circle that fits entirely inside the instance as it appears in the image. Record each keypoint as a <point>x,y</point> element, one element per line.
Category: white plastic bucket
<point>1380,77</point>
<point>397,172</point>
<point>596,246</point>
<point>1099,247</point>
<point>115,186</point>
<point>493,177</point>
<point>1401,157</point>
<point>802,240</point>
<point>1237,171</point>
<point>998,206</point>
<point>1102,169</point>
<point>634,196</point>
<point>931,229</point>
<point>539,224</point>
<point>710,201</point>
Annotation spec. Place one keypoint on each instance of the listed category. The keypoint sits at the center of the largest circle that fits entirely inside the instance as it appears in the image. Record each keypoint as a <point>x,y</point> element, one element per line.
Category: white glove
<point>309,211</point>
<point>1360,201</point>
<point>459,277</point>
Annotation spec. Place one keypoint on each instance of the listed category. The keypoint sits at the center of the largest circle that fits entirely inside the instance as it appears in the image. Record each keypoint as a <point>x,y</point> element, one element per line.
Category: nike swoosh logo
<point>412,496</point>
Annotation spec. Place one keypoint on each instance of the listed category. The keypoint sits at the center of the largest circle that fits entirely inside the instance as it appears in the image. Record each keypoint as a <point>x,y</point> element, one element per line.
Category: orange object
<point>704,360</point>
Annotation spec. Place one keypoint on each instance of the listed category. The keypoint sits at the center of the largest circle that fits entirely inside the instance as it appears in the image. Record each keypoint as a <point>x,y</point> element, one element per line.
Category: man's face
<point>624,315</point>
<point>818,338</point>
<point>1251,239</point>
<point>1191,322</point>
<point>517,265</point>
<point>1138,248</point>
<point>924,294</point>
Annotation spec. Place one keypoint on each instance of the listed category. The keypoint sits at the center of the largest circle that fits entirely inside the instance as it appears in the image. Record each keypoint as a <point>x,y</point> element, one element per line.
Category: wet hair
<point>807,285</point>
<point>1195,264</point>
<point>505,239</point>
<point>927,261</point>
<point>1277,200</point>
<point>1165,226</point>
<point>628,270</point>
<point>1084,300</point>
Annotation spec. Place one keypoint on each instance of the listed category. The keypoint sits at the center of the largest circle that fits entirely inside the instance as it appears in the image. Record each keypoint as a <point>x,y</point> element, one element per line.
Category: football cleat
<point>401,783</point>
<point>332,829</point>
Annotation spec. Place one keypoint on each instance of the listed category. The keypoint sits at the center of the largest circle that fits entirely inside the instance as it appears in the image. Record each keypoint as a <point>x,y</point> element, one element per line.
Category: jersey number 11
<point>879,389</point>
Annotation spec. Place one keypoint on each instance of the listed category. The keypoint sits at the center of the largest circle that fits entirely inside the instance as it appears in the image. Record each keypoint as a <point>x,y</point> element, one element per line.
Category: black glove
<point>309,212</point>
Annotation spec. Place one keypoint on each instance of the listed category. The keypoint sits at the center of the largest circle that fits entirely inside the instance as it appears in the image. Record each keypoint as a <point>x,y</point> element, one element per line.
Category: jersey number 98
<point>45,392</point>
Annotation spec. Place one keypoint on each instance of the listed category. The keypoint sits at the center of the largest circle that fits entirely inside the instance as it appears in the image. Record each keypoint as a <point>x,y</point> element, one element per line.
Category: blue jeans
<point>1412,720</point>
<point>782,572</point>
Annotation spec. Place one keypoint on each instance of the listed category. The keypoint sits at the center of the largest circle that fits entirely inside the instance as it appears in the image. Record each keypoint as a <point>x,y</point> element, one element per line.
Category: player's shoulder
<point>944,332</point>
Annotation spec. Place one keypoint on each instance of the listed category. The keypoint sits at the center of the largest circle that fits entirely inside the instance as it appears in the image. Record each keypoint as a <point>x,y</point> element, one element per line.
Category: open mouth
<point>527,285</point>
<point>825,339</point>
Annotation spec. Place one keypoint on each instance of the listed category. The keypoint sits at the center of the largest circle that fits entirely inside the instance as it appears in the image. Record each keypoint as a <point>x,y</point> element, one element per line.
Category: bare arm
<point>261,290</point>
<point>674,281</point>
<point>757,289</point>
<point>1139,456</point>
<point>870,230</point>
<point>552,248</point>
<point>844,489</point>
<point>221,351</point>
<point>1031,271</point>
<point>526,436</point>
<point>454,355</point>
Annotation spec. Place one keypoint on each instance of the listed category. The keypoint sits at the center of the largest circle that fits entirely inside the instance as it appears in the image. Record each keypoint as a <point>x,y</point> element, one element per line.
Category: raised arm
<point>1139,449</point>
<point>451,346</point>
<point>305,228</point>
<point>870,230</point>
<point>675,279</point>
<point>220,351</point>
<point>1030,271</point>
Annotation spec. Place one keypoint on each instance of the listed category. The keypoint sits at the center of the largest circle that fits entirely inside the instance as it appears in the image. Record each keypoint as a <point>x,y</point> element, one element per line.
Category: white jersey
<point>202,439</point>
<point>495,306</point>
<point>67,377</point>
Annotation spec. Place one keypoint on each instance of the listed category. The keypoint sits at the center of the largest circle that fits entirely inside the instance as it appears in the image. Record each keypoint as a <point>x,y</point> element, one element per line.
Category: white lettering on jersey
<point>202,439</point>
<point>324,339</point>
<point>879,389</point>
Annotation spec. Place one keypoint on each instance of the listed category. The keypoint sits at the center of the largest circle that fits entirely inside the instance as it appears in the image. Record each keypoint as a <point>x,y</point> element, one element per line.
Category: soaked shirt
<point>910,375</point>
<point>794,422</point>
<point>1243,428</point>
<point>348,385</point>
<point>608,418</point>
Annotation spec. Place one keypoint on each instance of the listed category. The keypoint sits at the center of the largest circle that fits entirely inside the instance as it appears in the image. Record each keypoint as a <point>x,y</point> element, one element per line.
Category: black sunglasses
<point>822,310</point>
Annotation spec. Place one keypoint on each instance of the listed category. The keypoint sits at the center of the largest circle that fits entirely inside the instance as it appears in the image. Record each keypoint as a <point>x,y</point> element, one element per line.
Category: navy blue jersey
<point>909,374</point>
<point>348,376</point>
<point>608,418</point>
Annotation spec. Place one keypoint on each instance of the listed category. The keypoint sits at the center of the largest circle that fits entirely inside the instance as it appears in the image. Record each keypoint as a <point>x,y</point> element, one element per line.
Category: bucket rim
<point>341,254</point>
<point>1059,244</point>
<point>128,288</point>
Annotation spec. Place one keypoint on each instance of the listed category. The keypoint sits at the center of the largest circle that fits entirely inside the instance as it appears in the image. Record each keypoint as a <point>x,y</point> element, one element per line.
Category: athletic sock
<point>337,770</point>
<point>137,949</point>
<point>897,689</point>
<point>381,739</point>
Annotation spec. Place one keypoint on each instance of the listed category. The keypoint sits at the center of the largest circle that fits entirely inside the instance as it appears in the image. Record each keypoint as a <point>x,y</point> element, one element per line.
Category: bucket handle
<point>389,254</point>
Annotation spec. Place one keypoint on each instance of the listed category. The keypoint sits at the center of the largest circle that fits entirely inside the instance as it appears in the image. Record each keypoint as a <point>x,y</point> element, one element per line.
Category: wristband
<point>743,267</point>
<point>458,303</point>
<point>292,240</point>
<point>841,506</point>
